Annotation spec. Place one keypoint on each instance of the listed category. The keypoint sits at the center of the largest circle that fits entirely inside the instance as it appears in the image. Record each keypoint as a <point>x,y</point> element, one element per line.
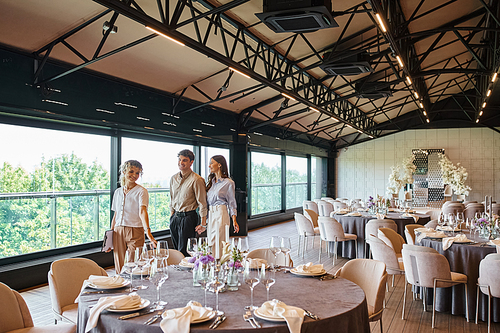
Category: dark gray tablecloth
<point>339,303</point>
<point>465,259</point>
<point>356,225</point>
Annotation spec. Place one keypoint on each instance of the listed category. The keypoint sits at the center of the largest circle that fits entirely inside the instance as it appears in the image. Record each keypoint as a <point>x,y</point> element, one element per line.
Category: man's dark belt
<point>183,214</point>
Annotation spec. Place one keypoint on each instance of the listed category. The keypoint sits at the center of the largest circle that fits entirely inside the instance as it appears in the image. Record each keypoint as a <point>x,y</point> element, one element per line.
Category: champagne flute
<point>275,247</point>
<point>441,220</point>
<point>162,251</point>
<point>251,277</point>
<point>192,246</point>
<point>267,278</point>
<point>140,261</point>
<point>129,265</point>
<point>243,246</point>
<point>286,246</point>
<point>460,219</point>
<point>202,278</point>
<point>216,284</point>
<point>158,275</point>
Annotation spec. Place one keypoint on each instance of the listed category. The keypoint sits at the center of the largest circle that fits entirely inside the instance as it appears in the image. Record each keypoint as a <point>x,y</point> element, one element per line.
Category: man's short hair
<point>188,153</point>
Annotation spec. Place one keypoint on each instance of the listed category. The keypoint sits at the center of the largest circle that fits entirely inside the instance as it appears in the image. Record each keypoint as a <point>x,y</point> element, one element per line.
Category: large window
<point>296,181</point>
<point>54,189</point>
<point>206,154</point>
<point>159,163</point>
<point>265,183</point>
<point>318,177</point>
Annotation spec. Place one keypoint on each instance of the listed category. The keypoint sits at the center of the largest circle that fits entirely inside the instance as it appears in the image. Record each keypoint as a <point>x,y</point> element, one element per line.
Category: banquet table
<point>465,259</point>
<point>347,309</point>
<point>356,225</point>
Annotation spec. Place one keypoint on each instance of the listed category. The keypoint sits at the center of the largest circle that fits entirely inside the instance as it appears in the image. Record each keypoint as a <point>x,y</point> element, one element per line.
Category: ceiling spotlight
<point>284,104</point>
<point>428,121</point>
<point>380,22</point>
<point>484,104</point>
<point>400,61</point>
<point>407,78</point>
<point>425,113</point>
<point>106,25</point>
<point>494,78</point>
<point>488,93</point>
<point>477,120</point>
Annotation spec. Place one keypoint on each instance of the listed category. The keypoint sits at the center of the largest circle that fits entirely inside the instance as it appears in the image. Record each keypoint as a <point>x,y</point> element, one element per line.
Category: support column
<point>239,172</point>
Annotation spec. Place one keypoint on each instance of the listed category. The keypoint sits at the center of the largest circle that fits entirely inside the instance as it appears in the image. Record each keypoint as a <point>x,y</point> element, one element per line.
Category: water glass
<point>243,246</point>
<point>158,275</point>
<point>192,246</point>
<point>216,284</point>
<point>268,279</point>
<point>162,251</point>
<point>141,262</point>
<point>129,265</point>
<point>286,246</point>
<point>275,247</point>
<point>202,277</point>
<point>252,278</point>
<point>460,219</point>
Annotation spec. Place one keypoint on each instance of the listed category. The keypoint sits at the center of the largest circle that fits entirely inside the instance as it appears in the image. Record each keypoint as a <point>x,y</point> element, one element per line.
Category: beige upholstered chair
<point>425,267</point>
<point>324,208</point>
<point>310,205</point>
<point>371,228</point>
<point>174,257</point>
<point>268,255</point>
<point>431,224</point>
<point>317,201</point>
<point>357,205</point>
<point>327,198</point>
<point>312,216</point>
<point>495,208</point>
<point>449,203</point>
<point>489,281</point>
<point>15,315</point>
<point>66,278</point>
<point>410,233</point>
<point>386,254</point>
<point>305,229</point>
<point>371,276</point>
<point>339,206</point>
<point>331,231</point>
<point>466,203</point>
<point>434,213</point>
<point>471,210</point>
<point>392,239</point>
<point>453,208</point>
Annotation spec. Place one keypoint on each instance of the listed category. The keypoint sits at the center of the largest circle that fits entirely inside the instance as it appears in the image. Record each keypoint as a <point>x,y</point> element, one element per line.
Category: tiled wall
<point>364,169</point>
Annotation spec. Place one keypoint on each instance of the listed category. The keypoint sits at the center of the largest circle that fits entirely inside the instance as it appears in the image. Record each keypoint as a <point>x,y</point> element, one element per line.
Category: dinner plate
<point>436,237</point>
<point>93,286</point>
<point>203,319</point>
<point>260,315</point>
<point>186,264</point>
<point>294,271</point>
<point>463,242</point>
<point>144,304</point>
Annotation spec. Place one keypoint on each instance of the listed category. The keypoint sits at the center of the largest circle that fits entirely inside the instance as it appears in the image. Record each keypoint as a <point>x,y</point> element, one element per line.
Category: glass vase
<point>232,280</point>
<point>195,278</point>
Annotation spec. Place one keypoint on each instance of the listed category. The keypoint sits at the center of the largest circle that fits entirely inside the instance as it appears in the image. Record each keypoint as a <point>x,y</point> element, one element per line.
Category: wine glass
<point>268,279</point>
<point>216,283</point>
<point>158,275</point>
<point>202,278</point>
<point>451,221</point>
<point>286,246</point>
<point>441,220</point>
<point>140,261</point>
<point>275,247</point>
<point>192,246</point>
<point>460,219</point>
<point>243,246</point>
<point>129,265</point>
<point>162,251</point>
<point>203,243</point>
<point>251,277</point>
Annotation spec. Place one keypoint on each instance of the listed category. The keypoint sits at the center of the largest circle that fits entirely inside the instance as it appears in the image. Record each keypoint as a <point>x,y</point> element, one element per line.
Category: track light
<point>400,61</point>
<point>425,113</point>
<point>407,78</point>
<point>313,109</point>
<point>488,93</point>
<point>494,78</point>
<point>416,94</point>
<point>421,105</point>
<point>428,121</point>
<point>481,113</point>
<point>484,105</point>
<point>167,37</point>
<point>288,96</point>
<point>380,22</point>
<point>237,71</point>
<point>477,120</point>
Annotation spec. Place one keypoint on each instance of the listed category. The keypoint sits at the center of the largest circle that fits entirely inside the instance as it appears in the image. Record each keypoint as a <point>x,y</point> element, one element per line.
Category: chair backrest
<point>304,226</point>
<point>339,206</point>
<point>266,254</point>
<point>324,208</point>
<point>468,202</point>
<point>449,203</point>
<point>495,208</point>
<point>431,224</point>
<point>410,233</point>
<point>317,201</point>
<point>312,216</point>
<point>489,274</point>
<point>434,214</point>
<point>471,210</point>
<point>330,229</point>
<point>371,228</point>
<point>357,205</point>
<point>174,257</point>
<point>453,208</point>
<point>66,278</point>
<point>384,253</point>
<point>356,200</point>
<point>424,264</point>
<point>371,276</point>
<point>327,198</point>
<point>14,313</point>
<point>344,200</point>
<point>391,238</point>
<point>311,205</point>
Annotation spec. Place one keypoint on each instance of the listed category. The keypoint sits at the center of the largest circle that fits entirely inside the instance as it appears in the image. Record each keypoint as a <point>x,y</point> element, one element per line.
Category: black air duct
<point>297,15</point>
<point>373,90</point>
<point>353,65</point>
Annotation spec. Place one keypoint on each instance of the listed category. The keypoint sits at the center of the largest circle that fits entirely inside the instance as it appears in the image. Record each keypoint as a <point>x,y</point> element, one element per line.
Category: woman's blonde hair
<point>127,165</point>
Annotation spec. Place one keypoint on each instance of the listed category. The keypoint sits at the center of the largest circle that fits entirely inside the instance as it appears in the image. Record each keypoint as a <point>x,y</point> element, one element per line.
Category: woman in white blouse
<point>131,220</point>
<point>221,202</point>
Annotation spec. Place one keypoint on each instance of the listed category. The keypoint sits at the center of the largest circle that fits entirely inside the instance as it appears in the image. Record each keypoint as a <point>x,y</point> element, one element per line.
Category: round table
<point>356,225</point>
<point>465,259</point>
<point>347,309</point>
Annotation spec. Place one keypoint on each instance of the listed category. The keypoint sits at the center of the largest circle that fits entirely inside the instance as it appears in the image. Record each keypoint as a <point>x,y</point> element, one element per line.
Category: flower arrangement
<point>370,203</point>
<point>231,256</point>
<point>454,175</point>
<point>401,174</point>
<point>203,256</point>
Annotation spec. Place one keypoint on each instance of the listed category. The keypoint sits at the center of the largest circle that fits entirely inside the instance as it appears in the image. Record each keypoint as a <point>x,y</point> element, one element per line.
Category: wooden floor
<point>38,299</point>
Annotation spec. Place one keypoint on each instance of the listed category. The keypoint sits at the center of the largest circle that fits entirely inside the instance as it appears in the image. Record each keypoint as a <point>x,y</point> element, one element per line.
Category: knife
<point>136,314</point>
<point>221,320</point>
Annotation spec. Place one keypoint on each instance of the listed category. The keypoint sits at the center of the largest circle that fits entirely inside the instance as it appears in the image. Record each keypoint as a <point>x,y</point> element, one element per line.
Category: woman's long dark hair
<point>223,169</point>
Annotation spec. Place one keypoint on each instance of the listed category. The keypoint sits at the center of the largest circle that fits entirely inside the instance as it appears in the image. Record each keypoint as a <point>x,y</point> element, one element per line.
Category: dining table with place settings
<point>293,291</point>
<point>355,224</point>
<point>464,252</point>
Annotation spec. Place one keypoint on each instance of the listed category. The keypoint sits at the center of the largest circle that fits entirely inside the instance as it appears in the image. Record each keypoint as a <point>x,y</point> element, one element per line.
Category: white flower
<point>401,175</point>
<point>454,175</point>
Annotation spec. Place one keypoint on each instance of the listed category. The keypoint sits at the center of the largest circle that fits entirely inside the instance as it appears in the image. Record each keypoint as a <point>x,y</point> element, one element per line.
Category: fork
<point>153,319</point>
<point>248,317</point>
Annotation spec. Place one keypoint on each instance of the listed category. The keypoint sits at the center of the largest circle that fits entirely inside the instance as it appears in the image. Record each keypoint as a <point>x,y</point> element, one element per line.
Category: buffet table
<point>356,225</point>
<point>346,311</point>
<point>464,258</point>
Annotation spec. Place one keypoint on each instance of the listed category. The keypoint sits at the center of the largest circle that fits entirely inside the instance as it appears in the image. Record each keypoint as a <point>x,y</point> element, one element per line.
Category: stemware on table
<point>243,246</point>
<point>141,261</point>
<point>192,246</point>
<point>275,247</point>
<point>162,251</point>
<point>286,246</point>
<point>216,283</point>
<point>202,278</point>
<point>129,265</point>
<point>158,275</point>
<point>267,278</point>
<point>252,278</point>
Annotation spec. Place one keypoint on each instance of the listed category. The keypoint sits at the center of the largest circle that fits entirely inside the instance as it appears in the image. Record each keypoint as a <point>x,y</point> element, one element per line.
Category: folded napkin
<point>353,214</point>
<point>415,217</point>
<point>495,242</point>
<point>112,302</point>
<point>447,241</point>
<point>293,316</point>
<point>429,234</point>
<point>185,262</point>
<point>424,229</point>
<point>380,216</point>
<point>102,281</point>
<point>256,262</point>
<point>309,268</point>
<point>341,211</point>
<point>179,320</point>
